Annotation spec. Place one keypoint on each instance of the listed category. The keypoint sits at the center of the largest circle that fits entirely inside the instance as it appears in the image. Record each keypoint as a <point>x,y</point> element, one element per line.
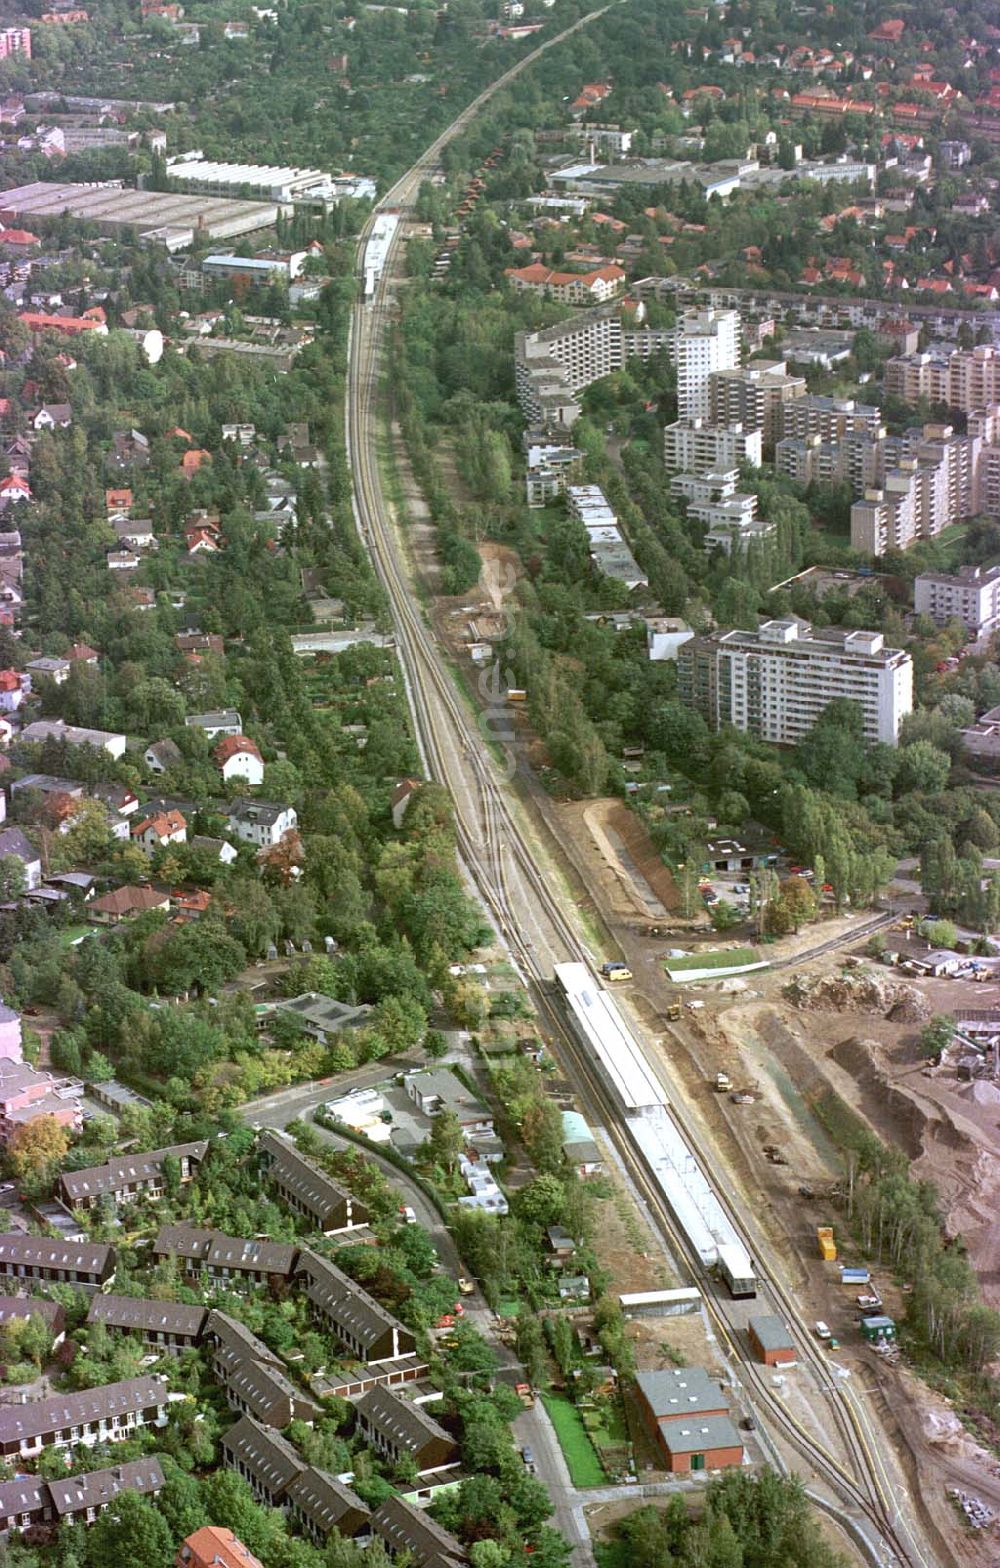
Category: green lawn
<point>732,958</point>
<point>578,1451</point>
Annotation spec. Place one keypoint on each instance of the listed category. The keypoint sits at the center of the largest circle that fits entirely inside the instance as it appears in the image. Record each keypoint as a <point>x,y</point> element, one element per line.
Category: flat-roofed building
<point>687,1414</point>
<point>967,379</point>
<point>131,1176</point>
<point>694,446</point>
<point>970,595</point>
<point>753,396</point>
<point>109,1414</point>
<point>707,341</point>
<point>231,1261</point>
<point>74,735</point>
<point>319,1504</point>
<point>159,217</point>
<point>398,1428</point>
<point>771,1341</point>
<point>358,1320</point>
<point>166,1325</point>
<point>307,1189</point>
<point>775,682</point>
<point>90,1264</point>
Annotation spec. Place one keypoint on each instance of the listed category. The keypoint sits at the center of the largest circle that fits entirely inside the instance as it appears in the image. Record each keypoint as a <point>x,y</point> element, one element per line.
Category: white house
<point>14,844</point>
<point>262,822</point>
<point>237,757</point>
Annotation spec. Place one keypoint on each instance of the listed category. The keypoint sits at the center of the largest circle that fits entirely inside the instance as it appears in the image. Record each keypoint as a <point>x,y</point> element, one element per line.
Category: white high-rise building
<point>970,595</point>
<point>693,446</point>
<point>776,682</point>
<point>707,341</point>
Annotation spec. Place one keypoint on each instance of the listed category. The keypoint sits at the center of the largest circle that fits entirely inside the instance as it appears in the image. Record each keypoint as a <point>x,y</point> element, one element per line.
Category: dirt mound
<point>858,991</point>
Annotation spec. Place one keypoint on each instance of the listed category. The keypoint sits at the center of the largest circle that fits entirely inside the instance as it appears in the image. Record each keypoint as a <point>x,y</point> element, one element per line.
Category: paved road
<point>534,1428</point>
<point>287,1105</point>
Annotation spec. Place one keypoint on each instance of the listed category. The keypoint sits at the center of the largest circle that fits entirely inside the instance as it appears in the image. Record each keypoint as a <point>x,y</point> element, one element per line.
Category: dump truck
<point>827,1245</point>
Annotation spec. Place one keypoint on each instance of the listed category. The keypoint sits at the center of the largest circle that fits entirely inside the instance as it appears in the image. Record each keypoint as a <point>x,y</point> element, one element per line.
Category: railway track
<point>504,866</point>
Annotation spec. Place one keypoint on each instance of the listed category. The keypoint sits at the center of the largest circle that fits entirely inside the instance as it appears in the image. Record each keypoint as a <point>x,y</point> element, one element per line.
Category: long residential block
<point>775,682</point>
<point>359,1322</point>
<point>166,1325</point>
<point>306,1188</point>
<point>90,1264</point>
<point>109,1414</point>
<point>217,1259</point>
<point>131,1176</point>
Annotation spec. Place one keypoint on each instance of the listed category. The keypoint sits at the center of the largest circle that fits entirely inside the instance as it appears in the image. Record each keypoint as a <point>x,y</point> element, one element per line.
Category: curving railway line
<point>853,1480</point>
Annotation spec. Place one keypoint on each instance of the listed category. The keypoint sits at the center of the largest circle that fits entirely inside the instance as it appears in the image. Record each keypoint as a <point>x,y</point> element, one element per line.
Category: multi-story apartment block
<point>859,460</point>
<point>774,683</point>
<point>693,446</point>
<point>931,479</point>
<point>729,514</point>
<point>989,481</point>
<point>15,41</point>
<point>830,418</point>
<point>970,595</point>
<point>753,395</point>
<point>552,365</point>
<point>707,341</point>
<point>963,378</point>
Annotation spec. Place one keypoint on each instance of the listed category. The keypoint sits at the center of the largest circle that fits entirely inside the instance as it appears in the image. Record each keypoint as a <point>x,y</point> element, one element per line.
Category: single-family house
<point>214,1546</point>
<point>238,757</point>
<point>157,831</point>
<point>322,1017</point>
<point>55,670</point>
<point>14,845</point>
<point>162,755</point>
<point>126,903</point>
<point>226,721</point>
<point>400,799</point>
<point>14,687</point>
<point>52,416</point>
<point>261,822</point>
<point>437,1089</point>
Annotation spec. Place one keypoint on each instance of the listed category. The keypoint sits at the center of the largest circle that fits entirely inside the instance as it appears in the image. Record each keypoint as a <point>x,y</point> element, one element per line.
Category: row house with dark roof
<point>51,1313</point>
<point>267,1461</point>
<point>131,1176</point>
<point>212,1257</point>
<point>163,1325</point>
<point>109,1414</point>
<point>89,1264</point>
<point>399,1428</point>
<point>356,1318</point>
<point>76,1499</point>
<point>253,1377</point>
<point>308,1190</point>
<point>403,1528</point>
<point>319,1504</point>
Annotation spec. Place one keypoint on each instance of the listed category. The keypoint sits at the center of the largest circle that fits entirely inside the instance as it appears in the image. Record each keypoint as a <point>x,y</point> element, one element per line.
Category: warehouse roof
<point>771,1332</point>
<point>700,1435</point>
<point>680,1391</point>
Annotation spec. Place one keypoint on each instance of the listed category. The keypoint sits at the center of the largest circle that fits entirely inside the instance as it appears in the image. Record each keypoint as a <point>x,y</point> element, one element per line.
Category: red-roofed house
<point>569,288</point>
<point>237,757</point>
<point>19,239</point>
<point>14,488</point>
<point>194,458</point>
<point>119,501</point>
<point>38,321</point>
<point>215,1547</point>
<point>156,832</point>
<point>201,542</point>
<point>12,690</point>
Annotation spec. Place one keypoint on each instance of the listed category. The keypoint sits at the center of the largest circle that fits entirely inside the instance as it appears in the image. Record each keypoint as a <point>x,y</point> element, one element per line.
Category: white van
<point>822,1330</point>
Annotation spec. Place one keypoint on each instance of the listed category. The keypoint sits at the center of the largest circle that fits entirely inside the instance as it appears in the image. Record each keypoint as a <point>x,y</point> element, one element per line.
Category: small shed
<point>878,1329</point>
<point>770,1340</point>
